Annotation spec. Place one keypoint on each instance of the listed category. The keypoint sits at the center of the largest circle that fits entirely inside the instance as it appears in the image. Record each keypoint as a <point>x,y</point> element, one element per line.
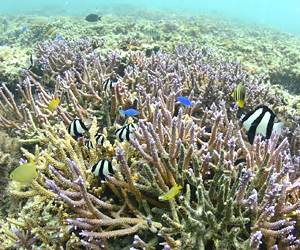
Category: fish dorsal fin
<point>278,127</point>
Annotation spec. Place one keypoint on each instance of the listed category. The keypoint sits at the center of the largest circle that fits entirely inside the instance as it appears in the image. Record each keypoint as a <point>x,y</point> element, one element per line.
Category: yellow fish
<point>40,20</point>
<point>53,103</point>
<point>132,47</point>
<point>24,173</point>
<point>239,94</point>
<point>51,31</point>
<point>172,192</point>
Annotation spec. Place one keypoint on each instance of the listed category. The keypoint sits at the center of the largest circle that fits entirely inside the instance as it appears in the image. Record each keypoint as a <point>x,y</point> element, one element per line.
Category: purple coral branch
<point>25,241</point>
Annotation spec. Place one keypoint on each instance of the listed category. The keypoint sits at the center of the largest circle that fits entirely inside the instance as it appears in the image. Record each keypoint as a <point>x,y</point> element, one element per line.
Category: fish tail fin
<point>32,161</point>
<point>88,121</point>
<point>117,167</point>
<point>241,103</point>
<point>278,127</point>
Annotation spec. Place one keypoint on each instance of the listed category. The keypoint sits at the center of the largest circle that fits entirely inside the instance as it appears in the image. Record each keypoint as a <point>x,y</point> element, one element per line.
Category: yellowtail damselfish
<point>261,121</point>
<point>125,133</point>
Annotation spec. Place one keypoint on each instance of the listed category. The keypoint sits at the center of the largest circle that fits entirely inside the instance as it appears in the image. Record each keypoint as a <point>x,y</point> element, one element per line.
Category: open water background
<point>282,14</point>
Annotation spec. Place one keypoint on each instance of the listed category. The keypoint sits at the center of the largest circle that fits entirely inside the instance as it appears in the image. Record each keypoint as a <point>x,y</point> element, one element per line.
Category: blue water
<point>280,14</point>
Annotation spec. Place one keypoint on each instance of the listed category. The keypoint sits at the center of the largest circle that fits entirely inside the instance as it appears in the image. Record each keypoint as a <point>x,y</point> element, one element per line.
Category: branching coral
<point>235,195</point>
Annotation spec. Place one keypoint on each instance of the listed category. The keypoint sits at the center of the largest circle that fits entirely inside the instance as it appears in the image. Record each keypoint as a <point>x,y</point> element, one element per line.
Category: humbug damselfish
<point>103,167</point>
<point>77,127</point>
<point>261,121</point>
<point>99,138</point>
<point>125,133</point>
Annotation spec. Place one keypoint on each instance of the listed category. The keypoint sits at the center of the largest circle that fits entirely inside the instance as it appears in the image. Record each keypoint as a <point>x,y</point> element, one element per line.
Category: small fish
<point>24,28</point>
<point>152,33</point>
<point>32,59</point>
<point>103,167</point>
<point>131,47</point>
<point>77,127</point>
<point>3,44</point>
<point>99,140</point>
<point>40,20</point>
<point>93,18</point>
<point>239,94</point>
<point>185,101</point>
<point>22,42</point>
<point>172,192</point>
<point>128,112</point>
<point>95,44</point>
<point>107,84</point>
<point>53,103</point>
<point>24,173</point>
<point>51,31</point>
<point>59,37</point>
<point>125,133</point>
<point>261,121</point>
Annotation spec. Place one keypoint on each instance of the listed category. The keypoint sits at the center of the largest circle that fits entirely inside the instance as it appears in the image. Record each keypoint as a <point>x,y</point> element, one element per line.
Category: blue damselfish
<point>185,101</point>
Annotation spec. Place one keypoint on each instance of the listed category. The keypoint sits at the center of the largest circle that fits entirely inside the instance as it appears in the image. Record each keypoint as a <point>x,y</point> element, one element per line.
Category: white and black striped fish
<point>152,32</point>
<point>261,121</point>
<point>125,133</point>
<point>77,127</point>
<point>107,84</point>
<point>103,167</point>
<point>99,140</point>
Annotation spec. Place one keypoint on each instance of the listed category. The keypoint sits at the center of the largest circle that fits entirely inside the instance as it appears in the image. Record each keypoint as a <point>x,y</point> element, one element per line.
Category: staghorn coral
<point>260,49</point>
<point>10,154</point>
<point>234,194</point>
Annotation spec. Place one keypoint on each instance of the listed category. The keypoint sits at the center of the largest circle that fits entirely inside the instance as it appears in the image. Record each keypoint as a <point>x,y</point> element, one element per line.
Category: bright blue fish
<point>22,42</point>
<point>3,44</point>
<point>24,28</point>
<point>128,112</point>
<point>185,101</point>
<point>59,37</point>
<point>131,112</point>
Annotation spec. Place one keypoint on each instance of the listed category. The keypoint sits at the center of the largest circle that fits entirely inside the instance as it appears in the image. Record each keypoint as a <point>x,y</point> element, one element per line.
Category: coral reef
<point>235,195</point>
<point>260,49</point>
<point>10,154</point>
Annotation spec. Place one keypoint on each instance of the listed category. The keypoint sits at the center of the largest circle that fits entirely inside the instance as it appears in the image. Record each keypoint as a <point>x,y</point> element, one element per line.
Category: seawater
<point>282,14</point>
